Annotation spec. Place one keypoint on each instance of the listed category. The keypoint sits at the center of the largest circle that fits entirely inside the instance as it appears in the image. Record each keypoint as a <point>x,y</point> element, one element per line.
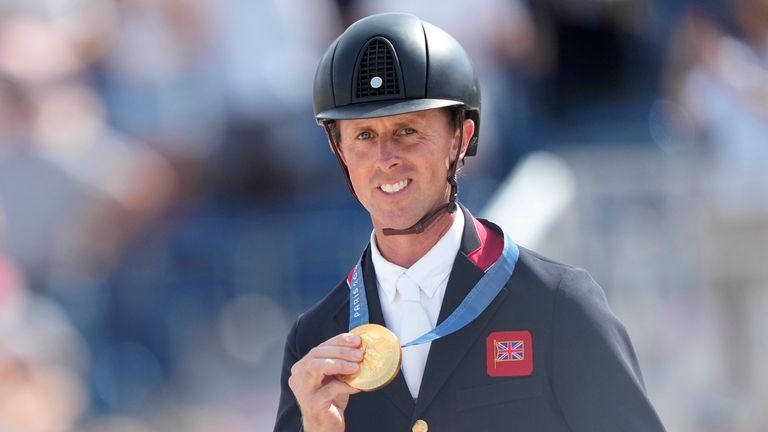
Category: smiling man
<point>444,324</point>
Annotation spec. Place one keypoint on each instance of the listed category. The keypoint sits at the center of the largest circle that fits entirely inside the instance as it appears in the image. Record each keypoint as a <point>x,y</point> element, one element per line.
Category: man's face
<point>399,164</point>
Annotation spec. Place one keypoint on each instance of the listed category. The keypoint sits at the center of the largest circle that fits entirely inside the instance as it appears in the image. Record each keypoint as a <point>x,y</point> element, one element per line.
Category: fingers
<point>344,339</point>
<point>336,352</point>
<point>321,396</point>
<point>316,370</point>
<point>315,373</point>
<point>338,355</point>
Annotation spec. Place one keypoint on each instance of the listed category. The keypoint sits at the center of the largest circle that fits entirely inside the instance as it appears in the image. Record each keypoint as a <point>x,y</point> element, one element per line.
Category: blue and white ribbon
<point>481,295</point>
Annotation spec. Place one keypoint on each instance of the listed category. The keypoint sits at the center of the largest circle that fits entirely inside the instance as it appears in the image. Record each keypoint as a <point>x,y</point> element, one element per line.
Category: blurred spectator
<point>74,191</point>
<point>155,77</point>
<point>265,53</point>
<point>63,171</point>
<point>40,198</point>
<point>136,184</point>
<point>41,361</point>
<point>718,81</point>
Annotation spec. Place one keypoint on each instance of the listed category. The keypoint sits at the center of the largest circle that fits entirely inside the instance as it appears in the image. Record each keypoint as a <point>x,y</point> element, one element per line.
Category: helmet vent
<point>378,74</point>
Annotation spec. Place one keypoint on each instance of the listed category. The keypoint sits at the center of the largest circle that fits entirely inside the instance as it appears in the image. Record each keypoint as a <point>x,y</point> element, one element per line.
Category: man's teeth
<point>395,187</point>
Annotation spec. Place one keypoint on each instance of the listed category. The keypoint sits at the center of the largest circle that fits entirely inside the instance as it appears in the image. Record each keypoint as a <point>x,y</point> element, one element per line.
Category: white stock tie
<point>415,323</point>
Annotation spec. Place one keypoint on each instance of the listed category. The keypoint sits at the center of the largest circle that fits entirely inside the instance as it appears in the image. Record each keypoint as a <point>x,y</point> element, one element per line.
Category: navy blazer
<point>585,376</point>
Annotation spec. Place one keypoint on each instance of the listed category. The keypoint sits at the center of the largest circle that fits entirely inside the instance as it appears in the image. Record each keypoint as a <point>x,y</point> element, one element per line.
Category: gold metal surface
<point>420,426</point>
<point>381,358</point>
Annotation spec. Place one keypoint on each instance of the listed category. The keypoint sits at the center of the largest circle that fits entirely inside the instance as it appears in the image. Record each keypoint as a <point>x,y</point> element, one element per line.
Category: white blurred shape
<point>33,50</point>
<point>532,197</point>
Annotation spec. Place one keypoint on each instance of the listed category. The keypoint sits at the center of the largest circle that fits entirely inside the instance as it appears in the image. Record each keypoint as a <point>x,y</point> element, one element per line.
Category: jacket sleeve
<point>596,376</point>
<point>288,414</point>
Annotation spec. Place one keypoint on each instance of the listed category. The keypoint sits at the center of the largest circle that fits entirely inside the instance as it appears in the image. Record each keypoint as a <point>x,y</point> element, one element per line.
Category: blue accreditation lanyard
<point>481,295</point>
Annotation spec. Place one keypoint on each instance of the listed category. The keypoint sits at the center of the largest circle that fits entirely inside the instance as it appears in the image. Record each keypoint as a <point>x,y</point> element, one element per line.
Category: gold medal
<point>381,358</point>
<point>420,426</point>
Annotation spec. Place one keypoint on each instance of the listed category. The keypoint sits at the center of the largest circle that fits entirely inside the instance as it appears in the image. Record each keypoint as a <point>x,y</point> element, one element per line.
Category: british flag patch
<point>509,353</point>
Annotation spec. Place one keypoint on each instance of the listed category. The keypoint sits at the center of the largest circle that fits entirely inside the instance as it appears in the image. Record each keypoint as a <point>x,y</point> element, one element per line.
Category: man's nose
<point>389,153</point>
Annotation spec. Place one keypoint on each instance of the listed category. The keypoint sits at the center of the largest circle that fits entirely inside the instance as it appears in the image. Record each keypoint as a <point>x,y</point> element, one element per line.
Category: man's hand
<point>322,397</point>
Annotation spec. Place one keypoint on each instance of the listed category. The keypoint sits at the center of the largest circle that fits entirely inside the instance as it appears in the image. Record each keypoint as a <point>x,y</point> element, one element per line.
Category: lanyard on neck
<point>481,295</point>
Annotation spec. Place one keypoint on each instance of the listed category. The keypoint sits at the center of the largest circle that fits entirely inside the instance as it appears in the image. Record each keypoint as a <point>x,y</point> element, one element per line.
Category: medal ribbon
<point>481,295</point>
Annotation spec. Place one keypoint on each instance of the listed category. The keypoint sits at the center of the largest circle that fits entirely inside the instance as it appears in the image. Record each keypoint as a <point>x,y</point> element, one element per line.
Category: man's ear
<point>469,131</point>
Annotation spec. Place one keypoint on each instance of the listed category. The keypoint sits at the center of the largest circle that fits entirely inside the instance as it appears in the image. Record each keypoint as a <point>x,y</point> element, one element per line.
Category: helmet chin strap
<point>422,224</point>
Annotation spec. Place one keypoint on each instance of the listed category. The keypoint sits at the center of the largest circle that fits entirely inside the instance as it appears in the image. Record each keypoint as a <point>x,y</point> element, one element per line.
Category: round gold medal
<point>381,358</point>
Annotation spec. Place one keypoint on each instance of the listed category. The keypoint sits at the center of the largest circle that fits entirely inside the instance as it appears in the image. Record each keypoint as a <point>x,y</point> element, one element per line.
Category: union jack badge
<point>509,353</point>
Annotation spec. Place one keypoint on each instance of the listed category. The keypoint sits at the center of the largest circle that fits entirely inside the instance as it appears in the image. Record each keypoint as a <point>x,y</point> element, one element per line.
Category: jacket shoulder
<point>572,284</point>
<point>545,271</point>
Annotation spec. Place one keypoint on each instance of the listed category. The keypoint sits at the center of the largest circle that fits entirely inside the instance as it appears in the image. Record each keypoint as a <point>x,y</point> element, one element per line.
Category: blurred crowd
<point>168,205</point>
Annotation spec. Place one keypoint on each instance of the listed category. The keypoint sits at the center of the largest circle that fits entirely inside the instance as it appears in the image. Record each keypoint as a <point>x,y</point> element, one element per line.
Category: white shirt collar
<point>429,271</point>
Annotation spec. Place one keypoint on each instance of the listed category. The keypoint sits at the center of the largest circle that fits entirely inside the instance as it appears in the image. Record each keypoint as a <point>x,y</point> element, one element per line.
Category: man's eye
<point>365,135</point>
<point>408,131</point>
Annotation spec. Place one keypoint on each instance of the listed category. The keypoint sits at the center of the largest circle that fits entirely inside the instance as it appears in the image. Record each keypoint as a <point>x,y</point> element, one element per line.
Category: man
<point>503,339</point>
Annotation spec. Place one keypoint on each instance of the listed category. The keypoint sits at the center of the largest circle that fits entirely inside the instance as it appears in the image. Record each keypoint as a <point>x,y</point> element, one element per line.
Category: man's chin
<point>398,222</point>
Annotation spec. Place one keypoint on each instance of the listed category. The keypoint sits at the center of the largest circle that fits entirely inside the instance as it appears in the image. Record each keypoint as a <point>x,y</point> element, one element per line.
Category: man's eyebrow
<point>410,123</point>
<point>357,127</point>
<point>368,125</point>
<point>402,123</point>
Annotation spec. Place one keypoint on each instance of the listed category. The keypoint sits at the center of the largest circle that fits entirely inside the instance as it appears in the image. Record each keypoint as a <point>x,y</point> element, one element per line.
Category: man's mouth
<point>394,187</point>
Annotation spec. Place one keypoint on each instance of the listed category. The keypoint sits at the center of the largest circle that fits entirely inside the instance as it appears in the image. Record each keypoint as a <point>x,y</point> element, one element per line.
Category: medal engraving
<point>381,358</point>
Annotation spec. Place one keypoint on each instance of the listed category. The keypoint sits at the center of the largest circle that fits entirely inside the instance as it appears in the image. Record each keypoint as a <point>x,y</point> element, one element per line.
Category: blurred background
<point>168,205</point>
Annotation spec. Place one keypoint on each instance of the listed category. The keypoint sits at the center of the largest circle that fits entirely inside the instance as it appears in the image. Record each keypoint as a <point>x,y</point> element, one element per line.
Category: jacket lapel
<point>446,353</point>
<point>397,391</point>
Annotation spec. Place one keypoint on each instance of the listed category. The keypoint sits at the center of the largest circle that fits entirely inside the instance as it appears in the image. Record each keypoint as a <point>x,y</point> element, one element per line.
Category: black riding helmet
<point>390,64</point>
<point>395,63</point>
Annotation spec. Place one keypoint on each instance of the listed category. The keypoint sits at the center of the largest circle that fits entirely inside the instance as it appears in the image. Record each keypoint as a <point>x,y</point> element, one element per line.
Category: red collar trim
<point>490,249</point>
